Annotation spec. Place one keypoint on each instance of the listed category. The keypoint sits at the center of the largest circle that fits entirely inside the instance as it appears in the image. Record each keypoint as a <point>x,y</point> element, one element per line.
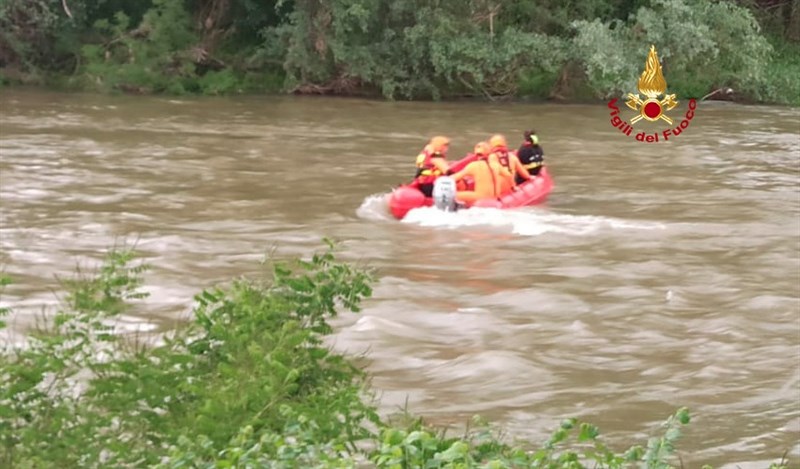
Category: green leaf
<point>568,424</point>
<point>558,436</point>
<point>672,434</point>
<point>588,432</point>
<point>458,450</point>
<point>683,415</point>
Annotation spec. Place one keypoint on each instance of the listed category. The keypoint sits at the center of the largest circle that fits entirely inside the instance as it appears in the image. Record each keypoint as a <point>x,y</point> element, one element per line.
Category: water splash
<point>528,221</point>
<point>375,207</point>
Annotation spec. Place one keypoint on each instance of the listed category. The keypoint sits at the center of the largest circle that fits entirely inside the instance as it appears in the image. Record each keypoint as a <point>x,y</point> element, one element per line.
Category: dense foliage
<point>404,48</point>
<point>247,383</point>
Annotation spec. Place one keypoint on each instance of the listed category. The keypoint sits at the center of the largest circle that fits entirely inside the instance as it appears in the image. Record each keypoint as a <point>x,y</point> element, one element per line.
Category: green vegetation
<point>406,49</point>
<point>247,383</point>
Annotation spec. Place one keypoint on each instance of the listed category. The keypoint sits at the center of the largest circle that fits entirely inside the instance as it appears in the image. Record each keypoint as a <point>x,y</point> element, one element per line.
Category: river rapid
<point>657,275</point>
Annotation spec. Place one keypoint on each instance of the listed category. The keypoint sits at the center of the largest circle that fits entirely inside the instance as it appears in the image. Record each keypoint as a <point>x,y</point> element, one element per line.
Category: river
<point>657,275</point>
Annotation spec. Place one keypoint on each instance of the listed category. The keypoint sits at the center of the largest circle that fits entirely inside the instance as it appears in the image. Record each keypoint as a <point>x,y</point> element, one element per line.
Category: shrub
<point>247,382</point>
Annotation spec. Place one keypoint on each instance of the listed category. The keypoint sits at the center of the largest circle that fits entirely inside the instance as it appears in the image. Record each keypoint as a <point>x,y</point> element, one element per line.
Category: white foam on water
<point>528,221</point>
<point>375,207</point>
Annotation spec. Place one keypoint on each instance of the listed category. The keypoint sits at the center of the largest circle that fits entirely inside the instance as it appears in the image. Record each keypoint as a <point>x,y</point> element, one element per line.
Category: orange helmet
<point>481,148</point>
<point>498,141</point>
<point>439,144</point>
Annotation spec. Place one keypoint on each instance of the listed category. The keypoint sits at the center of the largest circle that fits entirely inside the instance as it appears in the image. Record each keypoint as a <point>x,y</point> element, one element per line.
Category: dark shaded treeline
<point>407,49</point>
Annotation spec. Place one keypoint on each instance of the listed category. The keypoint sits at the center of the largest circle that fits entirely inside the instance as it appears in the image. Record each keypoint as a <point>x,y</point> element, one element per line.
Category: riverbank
<point>397,50</point>
<point>248,381</point>
<point>13,81</point>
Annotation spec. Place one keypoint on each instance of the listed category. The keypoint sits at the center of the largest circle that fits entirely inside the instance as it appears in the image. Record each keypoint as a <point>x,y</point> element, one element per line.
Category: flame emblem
<point>652,85</point>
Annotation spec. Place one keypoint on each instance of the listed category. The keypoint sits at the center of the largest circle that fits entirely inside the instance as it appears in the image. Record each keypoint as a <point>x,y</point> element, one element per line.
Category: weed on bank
<point>248,382</point>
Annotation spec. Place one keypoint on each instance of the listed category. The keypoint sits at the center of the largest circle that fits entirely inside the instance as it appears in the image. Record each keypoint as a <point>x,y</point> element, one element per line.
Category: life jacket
<point>506,170</point>
<point>485,159</point>
<point>504,159</point>
<point>536,159</point>
<point>485,178</point>
<point>427,172</point>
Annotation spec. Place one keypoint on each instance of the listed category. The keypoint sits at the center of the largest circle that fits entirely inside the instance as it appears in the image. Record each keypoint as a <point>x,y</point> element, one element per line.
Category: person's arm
<point>523,173</point>
<point>441,164</point>
<point>463,173</point>
<point>457,166</point>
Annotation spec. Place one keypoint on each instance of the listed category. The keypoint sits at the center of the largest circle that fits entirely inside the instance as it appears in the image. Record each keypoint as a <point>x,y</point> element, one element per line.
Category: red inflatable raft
<point>408,197</point>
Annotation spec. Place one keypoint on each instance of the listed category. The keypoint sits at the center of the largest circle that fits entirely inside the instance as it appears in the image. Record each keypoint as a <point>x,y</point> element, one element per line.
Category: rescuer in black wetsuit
<point>530,154</point>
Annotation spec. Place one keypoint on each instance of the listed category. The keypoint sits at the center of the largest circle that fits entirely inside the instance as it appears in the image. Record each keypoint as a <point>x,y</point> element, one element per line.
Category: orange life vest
<point>506,171</point>
<point>504,159</point>
<point>486,179</point>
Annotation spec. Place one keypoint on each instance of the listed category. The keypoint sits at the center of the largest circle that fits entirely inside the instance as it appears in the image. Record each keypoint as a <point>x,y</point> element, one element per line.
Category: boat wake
<point>526,221</point>
<point>375,207</point>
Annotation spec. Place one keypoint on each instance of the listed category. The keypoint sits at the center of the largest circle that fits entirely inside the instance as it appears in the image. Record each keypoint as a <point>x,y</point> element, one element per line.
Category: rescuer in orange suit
<point>486,175</point>
<point>432,163</point>
<point>509,163</point>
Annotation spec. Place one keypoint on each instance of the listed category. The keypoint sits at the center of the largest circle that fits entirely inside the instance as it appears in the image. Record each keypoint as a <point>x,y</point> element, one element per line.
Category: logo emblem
<point>652,85</point>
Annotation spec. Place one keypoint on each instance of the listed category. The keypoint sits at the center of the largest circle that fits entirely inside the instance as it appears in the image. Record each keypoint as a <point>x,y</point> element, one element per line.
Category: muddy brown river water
<point>656,276</point>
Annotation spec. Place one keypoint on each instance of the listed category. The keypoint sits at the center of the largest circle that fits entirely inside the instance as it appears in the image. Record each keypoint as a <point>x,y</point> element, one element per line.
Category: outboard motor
<point>444,194</point>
